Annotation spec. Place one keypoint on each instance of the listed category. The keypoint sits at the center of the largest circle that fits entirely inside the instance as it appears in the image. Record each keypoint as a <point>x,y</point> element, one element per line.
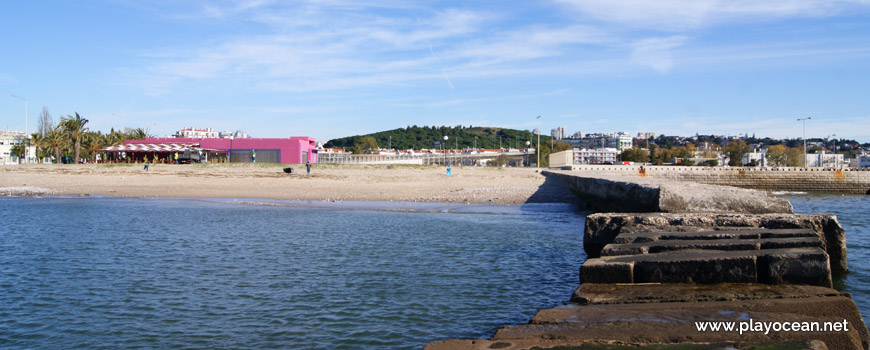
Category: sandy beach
<point>327,182</point>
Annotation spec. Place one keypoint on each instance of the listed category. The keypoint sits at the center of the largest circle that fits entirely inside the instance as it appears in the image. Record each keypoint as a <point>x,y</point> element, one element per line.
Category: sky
<point>336,68</point>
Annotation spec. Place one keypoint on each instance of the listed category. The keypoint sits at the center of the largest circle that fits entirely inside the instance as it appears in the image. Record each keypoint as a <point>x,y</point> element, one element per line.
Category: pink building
<point>294,150</point>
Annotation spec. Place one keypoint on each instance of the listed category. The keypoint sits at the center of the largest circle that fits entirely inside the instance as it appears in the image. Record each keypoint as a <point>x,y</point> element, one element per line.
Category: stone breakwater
<point>853,181</point>
<point>611,193</point>
<point>652,279</point>
<point>604,228</point>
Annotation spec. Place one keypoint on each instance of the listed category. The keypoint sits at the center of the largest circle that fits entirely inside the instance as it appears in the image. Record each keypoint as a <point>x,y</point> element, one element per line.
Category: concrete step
<point>574,344</point>
<point>774,266</point>
<point>675,322</point>
<point>666,245</point>
<point>664,316</point>
<point>601,294</point>
<point>754,233</point>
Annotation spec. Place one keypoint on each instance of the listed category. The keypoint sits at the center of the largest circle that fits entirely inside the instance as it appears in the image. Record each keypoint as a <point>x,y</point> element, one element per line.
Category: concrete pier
<point>673,258</point>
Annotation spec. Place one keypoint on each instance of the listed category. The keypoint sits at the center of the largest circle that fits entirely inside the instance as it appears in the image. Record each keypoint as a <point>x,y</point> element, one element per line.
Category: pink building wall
<point>291,149</point>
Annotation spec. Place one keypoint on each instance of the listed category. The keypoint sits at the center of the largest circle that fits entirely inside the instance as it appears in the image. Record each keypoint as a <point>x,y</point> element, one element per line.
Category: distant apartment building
<point>646,135</point>
<point>825,160</point>
<point>618,141</point>
<point>238,134</point>
<point>759,157</point>
<point>209,133</point>
<point>559,133</point>
<point>8,139</point>
<point>595,155</point>
<point>864,161</point>
<point>578,135</point>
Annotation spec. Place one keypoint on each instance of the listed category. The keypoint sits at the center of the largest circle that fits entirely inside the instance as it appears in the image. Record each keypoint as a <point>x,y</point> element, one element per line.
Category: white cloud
<point>656,52</point>
<point>677,15</point>
<point>317,47</point>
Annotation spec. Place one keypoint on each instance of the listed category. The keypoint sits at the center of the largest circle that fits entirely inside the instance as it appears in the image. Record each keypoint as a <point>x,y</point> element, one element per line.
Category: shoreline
<point>388,206</point>
<point>327,183</point>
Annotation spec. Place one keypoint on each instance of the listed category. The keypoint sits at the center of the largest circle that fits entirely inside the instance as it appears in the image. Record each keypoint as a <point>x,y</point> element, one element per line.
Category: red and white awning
<point>153,147</point>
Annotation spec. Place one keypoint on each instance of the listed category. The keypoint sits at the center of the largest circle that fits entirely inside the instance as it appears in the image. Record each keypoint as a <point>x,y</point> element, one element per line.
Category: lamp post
<point>538,149</point>
<point>836,159</point>
<point>805,138</point>
<point>445,154</point>
<point>528,143</point>
<point>26,135</point>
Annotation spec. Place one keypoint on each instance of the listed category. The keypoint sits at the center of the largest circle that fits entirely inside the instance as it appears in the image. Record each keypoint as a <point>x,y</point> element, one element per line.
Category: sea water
<point>107,273</point>
<point>853,212</point>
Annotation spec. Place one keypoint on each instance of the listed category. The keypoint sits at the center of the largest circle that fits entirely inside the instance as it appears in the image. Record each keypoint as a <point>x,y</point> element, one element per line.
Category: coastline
<point>327,183</point>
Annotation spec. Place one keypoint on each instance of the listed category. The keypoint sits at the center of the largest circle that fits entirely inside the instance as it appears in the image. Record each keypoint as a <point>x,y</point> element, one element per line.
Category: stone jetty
<point>662,277</point>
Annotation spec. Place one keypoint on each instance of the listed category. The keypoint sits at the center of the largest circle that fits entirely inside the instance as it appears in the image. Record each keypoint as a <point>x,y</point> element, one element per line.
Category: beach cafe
<point>293,150</point>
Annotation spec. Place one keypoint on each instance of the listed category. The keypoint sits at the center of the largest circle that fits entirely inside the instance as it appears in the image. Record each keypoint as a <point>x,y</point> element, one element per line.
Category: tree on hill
<point>366,145</point>
<point>635,154</point>
<point>735,151</point>
<point>415,137</point>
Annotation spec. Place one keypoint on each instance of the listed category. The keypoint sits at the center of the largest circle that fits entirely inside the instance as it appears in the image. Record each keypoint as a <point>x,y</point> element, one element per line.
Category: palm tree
<point>17,151</point>
<point>94,142</point>
<point>55,139</point>
<point>138,134</point>
<point>75,128</point>
<point>37,140</point>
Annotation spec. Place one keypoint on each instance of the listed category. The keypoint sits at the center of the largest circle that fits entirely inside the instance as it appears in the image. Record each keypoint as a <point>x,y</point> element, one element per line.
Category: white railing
<point>422,159</point>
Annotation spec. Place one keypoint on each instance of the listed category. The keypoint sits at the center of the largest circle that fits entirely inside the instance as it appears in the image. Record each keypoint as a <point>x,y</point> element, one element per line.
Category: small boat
<point>288,170</point>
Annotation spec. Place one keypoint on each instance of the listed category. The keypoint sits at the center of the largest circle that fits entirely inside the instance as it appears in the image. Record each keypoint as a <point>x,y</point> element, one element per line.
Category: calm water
<point>853,212</point>
<point>145,273</point>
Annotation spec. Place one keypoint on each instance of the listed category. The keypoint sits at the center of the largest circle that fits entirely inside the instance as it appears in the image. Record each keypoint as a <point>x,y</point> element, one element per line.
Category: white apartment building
<point>12,138</point>
<point>595,155</point>
<point>209,133</point>
<point>760,157</point>
<point>559,133</point>
<point>193,133</point>
<point>825,160</point>
<point>619,141</point>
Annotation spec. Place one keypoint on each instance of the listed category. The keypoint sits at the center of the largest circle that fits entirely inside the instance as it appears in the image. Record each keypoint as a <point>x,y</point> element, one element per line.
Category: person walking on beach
<point>308,168</point>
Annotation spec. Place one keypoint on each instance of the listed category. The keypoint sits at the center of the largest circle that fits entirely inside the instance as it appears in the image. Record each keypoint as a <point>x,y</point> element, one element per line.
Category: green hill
<point>420,137</point>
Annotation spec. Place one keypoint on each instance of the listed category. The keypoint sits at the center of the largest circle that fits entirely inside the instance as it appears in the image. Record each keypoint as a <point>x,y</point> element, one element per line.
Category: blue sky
<point>335,68</point>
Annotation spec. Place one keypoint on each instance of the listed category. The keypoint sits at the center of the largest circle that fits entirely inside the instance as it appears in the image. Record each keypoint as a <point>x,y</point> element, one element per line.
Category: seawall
<point>853,181</point>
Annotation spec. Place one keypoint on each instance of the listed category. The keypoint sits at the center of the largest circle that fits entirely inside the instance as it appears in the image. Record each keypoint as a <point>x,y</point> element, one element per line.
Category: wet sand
<point>327,182</point>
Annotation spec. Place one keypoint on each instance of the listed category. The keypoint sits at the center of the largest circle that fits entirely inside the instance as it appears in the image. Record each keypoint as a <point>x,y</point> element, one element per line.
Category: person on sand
<point>147,163</point>
<point>308,167</point>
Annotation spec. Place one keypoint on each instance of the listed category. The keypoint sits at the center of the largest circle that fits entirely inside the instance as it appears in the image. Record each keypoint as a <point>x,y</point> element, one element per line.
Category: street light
<point>836,159</point>
<point>805,138</point>
<point>445,154</point>
<point>538,149</point>
<point>26,135</point>
<point>528,143</point>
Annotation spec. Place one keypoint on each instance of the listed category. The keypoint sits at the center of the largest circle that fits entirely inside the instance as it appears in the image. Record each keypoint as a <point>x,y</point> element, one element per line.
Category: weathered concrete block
<point>602,271</point>
<point>795,266</point>
<point>696,267</point>
<point>603,228</point>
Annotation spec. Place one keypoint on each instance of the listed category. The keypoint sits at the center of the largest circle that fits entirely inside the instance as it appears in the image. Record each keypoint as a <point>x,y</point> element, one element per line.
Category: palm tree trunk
<point>76,153</point>
<point>57,154</point>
